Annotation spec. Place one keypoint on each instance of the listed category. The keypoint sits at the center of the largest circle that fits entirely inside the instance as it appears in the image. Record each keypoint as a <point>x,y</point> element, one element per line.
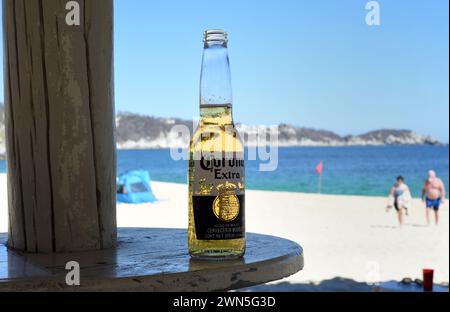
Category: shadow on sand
<point>396,227</point>
<point>337,284</point>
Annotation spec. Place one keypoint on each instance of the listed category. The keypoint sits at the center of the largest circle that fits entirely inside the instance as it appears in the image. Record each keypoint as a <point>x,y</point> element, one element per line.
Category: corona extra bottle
<point>216,164</point>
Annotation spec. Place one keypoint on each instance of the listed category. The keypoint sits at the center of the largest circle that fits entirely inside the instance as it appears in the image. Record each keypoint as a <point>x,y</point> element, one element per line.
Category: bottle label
<point>218,198</point>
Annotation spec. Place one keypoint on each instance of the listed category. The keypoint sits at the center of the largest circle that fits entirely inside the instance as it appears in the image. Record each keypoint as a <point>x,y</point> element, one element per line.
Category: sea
<point>353,170</point>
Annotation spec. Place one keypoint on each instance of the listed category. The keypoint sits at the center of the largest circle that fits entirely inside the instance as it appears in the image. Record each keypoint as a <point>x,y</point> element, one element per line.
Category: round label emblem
<point>226,207</point>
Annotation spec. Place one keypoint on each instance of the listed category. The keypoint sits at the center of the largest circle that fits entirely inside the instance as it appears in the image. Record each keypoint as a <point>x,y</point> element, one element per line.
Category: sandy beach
<point>351,239</point>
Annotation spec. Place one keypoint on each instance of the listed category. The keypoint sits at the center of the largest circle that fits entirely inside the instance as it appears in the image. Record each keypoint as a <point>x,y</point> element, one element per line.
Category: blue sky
<point>308,63</point>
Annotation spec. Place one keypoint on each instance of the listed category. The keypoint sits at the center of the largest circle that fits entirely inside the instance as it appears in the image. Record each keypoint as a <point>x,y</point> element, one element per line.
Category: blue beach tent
<point>134,187</point>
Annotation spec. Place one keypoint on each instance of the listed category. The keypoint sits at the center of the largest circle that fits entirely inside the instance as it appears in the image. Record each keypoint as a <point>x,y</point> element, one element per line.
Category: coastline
<point>344,237</point>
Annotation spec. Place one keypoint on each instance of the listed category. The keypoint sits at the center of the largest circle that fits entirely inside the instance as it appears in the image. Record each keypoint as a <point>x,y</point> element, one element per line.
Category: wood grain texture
<point>59,126</point>
<point>151,260</point>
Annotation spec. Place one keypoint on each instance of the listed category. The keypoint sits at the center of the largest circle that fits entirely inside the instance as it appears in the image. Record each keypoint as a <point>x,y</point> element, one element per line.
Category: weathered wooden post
<point>60,124</point>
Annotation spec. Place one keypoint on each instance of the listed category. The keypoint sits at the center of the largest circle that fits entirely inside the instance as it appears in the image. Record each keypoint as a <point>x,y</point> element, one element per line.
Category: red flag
<point>319,167</point>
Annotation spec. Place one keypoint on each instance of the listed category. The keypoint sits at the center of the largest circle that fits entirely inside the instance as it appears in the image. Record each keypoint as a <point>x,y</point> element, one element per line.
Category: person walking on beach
<point>433,194</point>
<point>400,198</point>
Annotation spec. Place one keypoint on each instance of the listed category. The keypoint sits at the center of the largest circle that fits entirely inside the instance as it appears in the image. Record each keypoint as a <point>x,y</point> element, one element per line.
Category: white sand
<point>342,236</point>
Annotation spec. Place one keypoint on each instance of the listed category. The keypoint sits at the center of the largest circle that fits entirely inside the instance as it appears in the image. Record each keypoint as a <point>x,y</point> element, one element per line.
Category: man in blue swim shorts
<point>433,193</point>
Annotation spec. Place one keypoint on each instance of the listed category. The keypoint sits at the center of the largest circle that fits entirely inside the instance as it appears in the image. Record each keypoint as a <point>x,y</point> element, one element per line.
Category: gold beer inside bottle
<point>215,134</point>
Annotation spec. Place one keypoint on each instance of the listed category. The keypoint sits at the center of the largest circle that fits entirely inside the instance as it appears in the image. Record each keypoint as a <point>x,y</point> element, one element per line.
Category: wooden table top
<point>150,260</point>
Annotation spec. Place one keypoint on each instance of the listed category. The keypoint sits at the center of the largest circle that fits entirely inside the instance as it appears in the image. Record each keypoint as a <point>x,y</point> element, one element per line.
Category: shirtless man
<point>433,193</point>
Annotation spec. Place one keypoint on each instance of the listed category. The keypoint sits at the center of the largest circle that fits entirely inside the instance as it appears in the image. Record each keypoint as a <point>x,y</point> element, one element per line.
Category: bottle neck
<point>215,81</point>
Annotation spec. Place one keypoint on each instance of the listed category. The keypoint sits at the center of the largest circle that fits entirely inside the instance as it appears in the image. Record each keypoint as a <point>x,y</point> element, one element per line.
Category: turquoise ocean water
<point>347,170</point>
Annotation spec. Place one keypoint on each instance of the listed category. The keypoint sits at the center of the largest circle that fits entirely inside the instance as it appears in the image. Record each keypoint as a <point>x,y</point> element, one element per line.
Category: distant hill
<point>138,131</point>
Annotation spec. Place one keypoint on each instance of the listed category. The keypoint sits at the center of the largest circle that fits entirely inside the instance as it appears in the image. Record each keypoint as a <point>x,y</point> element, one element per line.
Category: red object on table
<point>428,279</point>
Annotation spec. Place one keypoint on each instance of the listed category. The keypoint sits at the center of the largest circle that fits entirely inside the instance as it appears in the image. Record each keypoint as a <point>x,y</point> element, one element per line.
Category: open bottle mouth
<point>217,36</point>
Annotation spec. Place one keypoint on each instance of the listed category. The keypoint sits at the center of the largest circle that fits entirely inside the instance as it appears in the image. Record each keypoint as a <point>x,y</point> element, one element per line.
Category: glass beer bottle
<point>216,164</point>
